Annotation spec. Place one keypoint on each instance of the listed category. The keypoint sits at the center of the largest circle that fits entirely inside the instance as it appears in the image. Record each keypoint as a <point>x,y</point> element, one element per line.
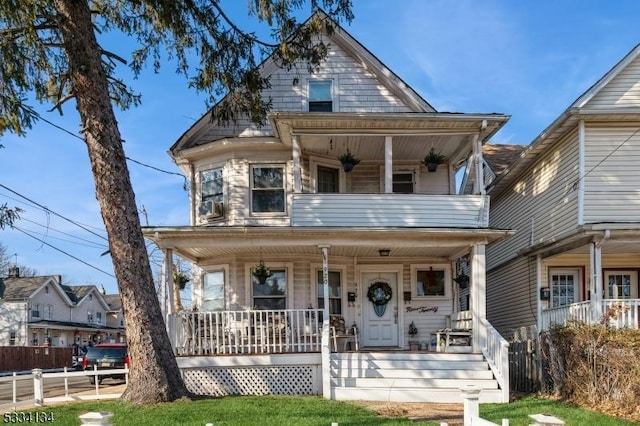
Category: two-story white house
<point>573,200</point>
<point>40,310</point>
<point>374,247</point>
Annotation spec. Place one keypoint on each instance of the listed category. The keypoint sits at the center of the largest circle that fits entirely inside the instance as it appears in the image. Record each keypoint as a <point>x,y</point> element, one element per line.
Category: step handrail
<point>495,349</point>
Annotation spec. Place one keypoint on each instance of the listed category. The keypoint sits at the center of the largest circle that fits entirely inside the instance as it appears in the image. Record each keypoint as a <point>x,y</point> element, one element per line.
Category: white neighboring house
<point>374,247</point>
<point>39,310</point>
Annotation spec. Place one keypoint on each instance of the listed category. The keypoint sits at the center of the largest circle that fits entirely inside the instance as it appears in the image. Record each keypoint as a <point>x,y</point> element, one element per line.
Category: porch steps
<point>410,377</point>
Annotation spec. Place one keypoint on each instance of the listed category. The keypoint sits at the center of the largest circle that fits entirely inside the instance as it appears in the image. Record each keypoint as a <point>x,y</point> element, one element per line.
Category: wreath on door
<point>379,294</point>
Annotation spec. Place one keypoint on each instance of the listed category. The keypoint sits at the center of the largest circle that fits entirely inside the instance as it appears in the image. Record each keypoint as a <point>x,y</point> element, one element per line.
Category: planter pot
<point>432,167</point>
<point>348,167</point>
<point>261,278</point>
<point>414,345</point>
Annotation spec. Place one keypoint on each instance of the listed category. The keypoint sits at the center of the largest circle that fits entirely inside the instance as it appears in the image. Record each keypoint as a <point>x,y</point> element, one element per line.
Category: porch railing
<point>496,351</point>
<point>246,332</point>
<point>626,313</point>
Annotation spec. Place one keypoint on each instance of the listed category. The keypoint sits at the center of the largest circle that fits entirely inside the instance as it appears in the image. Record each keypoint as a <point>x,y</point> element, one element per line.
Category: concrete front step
<point>357,382</point>
<point>434,395</point>
<point>399,373</point>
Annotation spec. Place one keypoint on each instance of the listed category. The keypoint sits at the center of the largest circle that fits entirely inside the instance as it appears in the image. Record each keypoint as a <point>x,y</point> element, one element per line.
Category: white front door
<point>380,322</point>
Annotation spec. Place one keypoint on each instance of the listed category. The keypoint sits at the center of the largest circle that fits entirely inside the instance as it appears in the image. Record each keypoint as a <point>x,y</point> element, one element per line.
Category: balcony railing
<point>401,210</point>
<point>245,332</point>
<point>624,313</point>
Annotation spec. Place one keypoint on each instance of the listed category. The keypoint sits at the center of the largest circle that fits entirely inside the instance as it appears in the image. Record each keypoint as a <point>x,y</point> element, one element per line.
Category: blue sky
<point>528,59</point>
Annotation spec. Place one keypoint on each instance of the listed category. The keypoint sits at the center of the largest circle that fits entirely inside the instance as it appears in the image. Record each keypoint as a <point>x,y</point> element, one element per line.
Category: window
<point>35,339</point>
<point>213,291</point>
<point>267,189</point>
<point>89,317</point>
<point>99,317</point>
<point>403,182</point>
<point>335,292</point>
<point>621,284</point>
<point>12,338</point>
<point>273,293</point>
<point>327,180</point>
<point>35,311</point>
<point>211,192</point>
<point>320,98</point>
<point>48,312</point>
<point>430,282</point>
<point>564,286</point>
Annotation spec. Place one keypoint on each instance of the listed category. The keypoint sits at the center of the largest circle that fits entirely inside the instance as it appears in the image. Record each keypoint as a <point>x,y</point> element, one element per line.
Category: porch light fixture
<point>384,252</point>
<point>545,293</point>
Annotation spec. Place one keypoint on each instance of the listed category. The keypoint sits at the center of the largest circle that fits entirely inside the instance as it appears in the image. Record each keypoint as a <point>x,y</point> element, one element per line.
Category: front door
<point>380,320</point>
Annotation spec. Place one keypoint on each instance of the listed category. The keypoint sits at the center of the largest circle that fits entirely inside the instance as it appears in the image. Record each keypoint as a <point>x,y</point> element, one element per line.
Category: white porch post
<point>478,182</point>
<point>167,287</point>
<point>478,293</point>
<point>596,282</point>
<point>295,154</point>
<point>326,350</point>
<point>540,325</point>
<point>388,164</point>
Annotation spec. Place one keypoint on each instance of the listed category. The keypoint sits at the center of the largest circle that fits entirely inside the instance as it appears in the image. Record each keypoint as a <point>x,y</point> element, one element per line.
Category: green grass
<point>518,413</point>
<point>303,411</point>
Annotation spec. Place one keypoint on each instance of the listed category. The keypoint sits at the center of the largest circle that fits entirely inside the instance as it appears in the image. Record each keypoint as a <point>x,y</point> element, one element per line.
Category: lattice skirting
<point>254,380</point>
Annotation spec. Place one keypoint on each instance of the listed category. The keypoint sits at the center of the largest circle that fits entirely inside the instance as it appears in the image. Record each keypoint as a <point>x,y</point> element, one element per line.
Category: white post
<point>388,164</point>
<point>295,154</point>
<point>596,282</point>
<point>478,294</point>
<point>38,387</point>
<point>96,418</point>
<point>471,395</point>
<point>326,351</point>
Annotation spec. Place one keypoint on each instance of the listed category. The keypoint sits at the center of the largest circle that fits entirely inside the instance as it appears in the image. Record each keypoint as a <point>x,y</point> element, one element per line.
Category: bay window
<point>267,189</point>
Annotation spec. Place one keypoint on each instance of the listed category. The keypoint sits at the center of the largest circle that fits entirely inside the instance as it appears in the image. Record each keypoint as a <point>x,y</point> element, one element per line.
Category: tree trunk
<point>154,375</point>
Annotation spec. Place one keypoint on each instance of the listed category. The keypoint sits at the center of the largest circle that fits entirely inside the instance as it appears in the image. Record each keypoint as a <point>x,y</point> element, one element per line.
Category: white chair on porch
<point>341,337</point>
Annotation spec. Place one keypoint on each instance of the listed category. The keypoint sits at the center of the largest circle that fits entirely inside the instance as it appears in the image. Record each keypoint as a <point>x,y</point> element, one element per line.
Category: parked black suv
<point>105,356</point>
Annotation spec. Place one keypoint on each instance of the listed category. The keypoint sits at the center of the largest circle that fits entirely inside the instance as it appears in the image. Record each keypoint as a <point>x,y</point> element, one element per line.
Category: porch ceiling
<point>198,244</point>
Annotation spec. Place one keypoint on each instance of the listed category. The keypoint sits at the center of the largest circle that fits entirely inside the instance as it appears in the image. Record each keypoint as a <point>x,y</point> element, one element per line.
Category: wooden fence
<point>21,358</point>
<point>523,366</point>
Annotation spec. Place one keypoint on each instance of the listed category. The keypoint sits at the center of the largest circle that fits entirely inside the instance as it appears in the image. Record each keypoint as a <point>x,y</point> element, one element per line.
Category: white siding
<point>512,296</point>
<point>50,302</point>
<point>412,210</point>
<point>540,206</point>
<point>13,317</point>
<point>621,91</point>
<point>612,167</point>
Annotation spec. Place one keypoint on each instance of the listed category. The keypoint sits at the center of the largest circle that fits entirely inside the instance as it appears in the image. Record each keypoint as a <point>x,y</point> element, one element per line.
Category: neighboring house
<point>36,311</point>
<point>333,240</point>
<point>574,202</point>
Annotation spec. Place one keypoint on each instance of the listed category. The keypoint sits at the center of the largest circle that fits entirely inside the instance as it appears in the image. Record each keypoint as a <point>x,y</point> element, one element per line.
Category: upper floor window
<point>211,192</point>
<point>35,311</point>
<point>403,182</point>
<point>271,295</point>
<point>89,317</point>
<point>12,338</point>
<point>320,96</point>
<point>99,317</point>
<point>213,291</point>
<point>267,189</point>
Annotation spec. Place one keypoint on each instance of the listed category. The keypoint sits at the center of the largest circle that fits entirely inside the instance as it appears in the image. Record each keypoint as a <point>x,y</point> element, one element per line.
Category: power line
<point>48,210</point>
<point>17,228</point>
<point>89,243</point>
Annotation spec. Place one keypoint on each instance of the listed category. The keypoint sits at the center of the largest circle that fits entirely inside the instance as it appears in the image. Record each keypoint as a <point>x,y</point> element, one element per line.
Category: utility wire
<point>48,210</point>
<point>17,228</point>
<point>87,243</point>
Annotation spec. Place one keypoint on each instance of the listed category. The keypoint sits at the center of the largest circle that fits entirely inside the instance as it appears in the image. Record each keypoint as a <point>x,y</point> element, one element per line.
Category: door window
<point>564,286</point>
<point>621,284</point>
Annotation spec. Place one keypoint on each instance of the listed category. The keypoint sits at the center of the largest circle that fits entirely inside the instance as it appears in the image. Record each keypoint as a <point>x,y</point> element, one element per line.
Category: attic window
<point>320,96</point>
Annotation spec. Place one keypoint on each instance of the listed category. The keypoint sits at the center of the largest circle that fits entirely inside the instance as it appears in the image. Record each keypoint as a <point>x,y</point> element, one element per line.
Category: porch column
<point>596,282</point>
<point>388,164</point>
<point>167,288</point>
<point>295,154</point>
<point>540,324</point>
<point>326,350</point>
<point>478,294</point>
<point>478,182</point>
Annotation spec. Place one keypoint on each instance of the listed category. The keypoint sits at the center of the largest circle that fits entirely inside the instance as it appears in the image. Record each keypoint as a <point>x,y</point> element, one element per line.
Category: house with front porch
<point>352,256</point>
<point>573,201</point>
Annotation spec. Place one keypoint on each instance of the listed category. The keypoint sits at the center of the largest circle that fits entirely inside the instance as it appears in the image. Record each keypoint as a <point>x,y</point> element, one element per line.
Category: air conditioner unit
<point>211,209</point>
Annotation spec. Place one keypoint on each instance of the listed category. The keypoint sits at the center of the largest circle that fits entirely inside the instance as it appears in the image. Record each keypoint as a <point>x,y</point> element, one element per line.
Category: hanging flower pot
<point>463,280</point>
<point>379,294</point>
<point>349,161</point>
<point>432,159</point>
<point>261,272</point>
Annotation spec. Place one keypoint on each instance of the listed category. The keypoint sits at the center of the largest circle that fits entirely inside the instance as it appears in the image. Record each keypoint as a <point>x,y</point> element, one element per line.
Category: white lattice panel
<point>278,380</point>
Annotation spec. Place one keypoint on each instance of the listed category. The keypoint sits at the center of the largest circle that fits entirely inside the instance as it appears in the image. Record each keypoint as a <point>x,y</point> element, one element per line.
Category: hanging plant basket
<point>432,159</point>
<point>462,280</point>
<point>379,294</point>
<point>261,272</point>
<point>349,161</point>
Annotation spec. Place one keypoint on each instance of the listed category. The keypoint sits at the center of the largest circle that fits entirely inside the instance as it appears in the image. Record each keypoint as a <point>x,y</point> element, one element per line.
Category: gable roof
<point>114,301</point>
<point>18,289</point>
<point>347,42</point>
<point>501,156</point>
<point>568,120</point>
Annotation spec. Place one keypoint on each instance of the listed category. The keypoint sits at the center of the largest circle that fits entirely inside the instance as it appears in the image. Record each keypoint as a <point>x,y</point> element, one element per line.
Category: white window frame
<point>322,79</point>
<point>13,338</point>
<point>633,283</point>
<point>287,266</point>
<point>315,267</point>
<point>224,269</point>
<point>285,195</point>
<point>36,310</point>
<point>200,181</point>
<point>577,283</point>
<point>314,162</point>
<point>90,317</point>
<point>426,267</point>
<point>403,168</point>
<point>98,317</point>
